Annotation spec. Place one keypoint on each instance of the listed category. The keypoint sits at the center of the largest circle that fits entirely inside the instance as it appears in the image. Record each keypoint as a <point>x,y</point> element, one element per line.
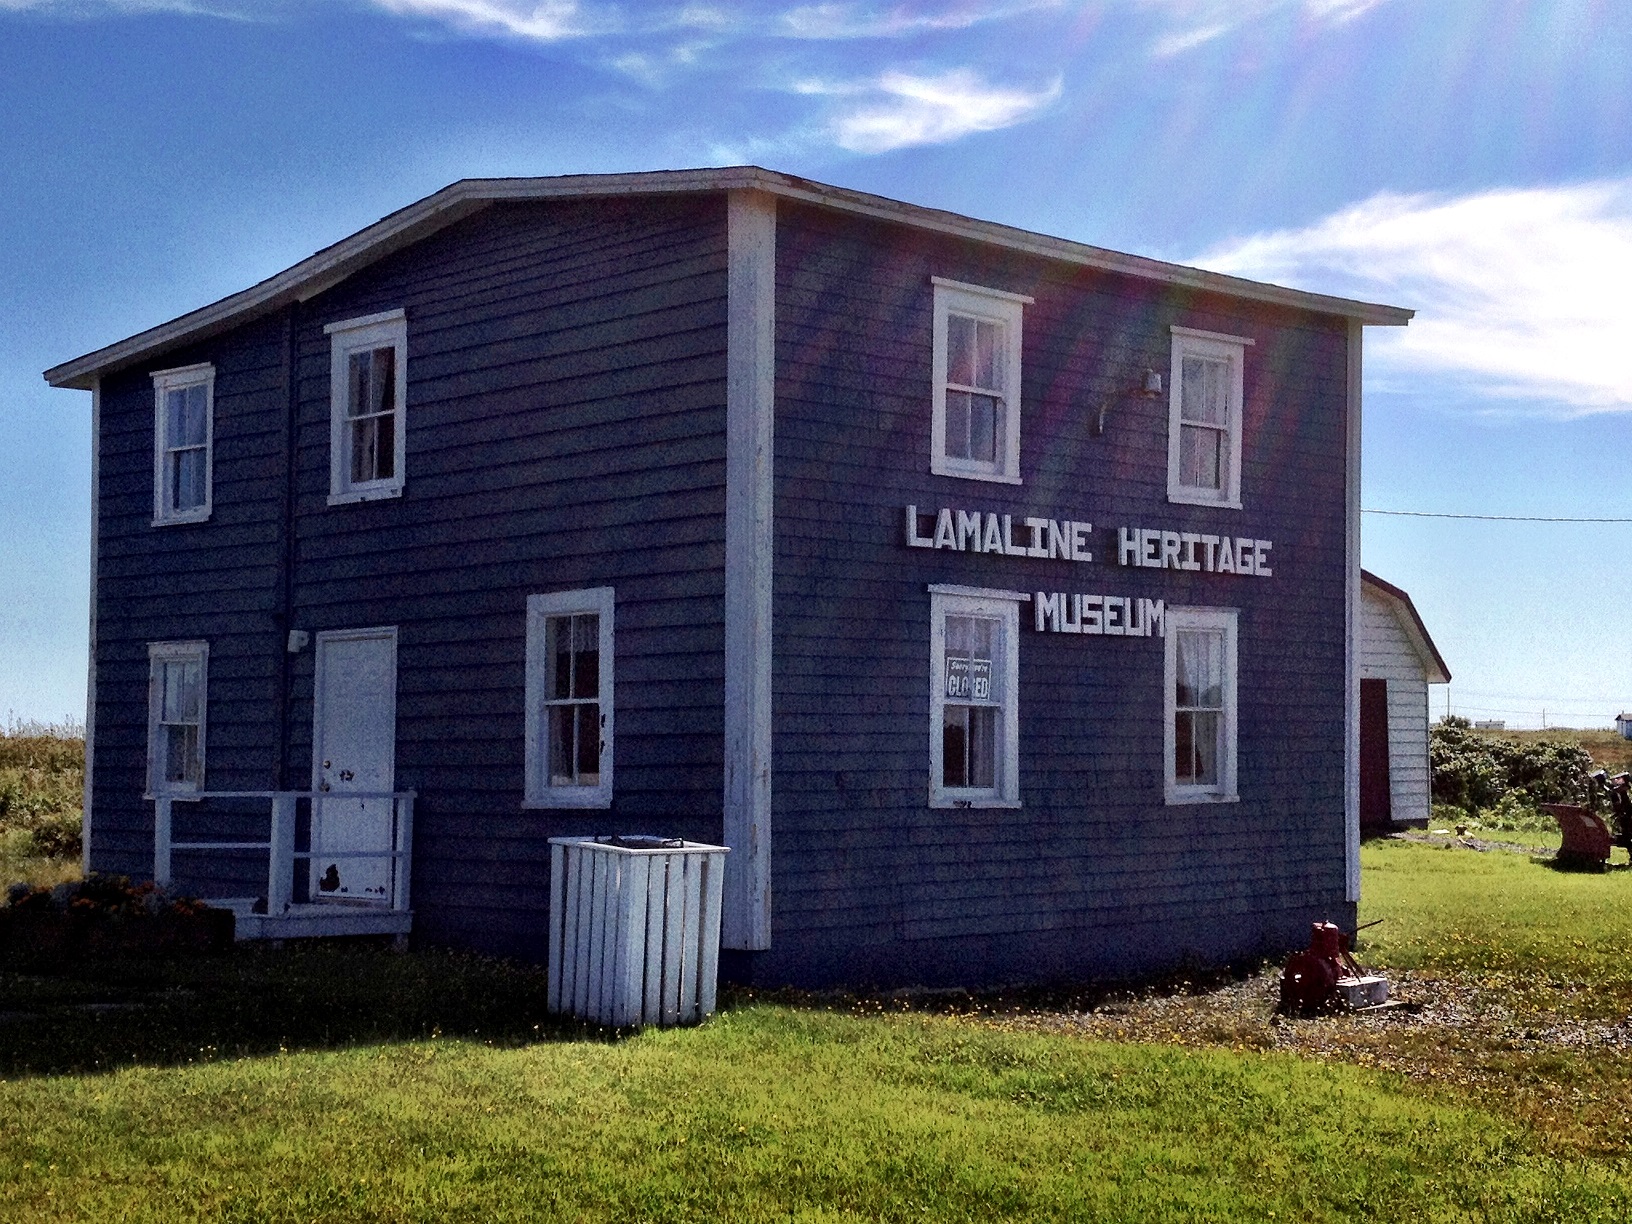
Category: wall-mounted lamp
<point>1148,388</point>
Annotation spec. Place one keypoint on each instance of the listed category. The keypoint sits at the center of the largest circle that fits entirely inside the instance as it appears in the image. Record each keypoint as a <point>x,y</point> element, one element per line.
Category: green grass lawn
<point>771,1113</point>
<point>1557,940</point>
<point>331,1083</point>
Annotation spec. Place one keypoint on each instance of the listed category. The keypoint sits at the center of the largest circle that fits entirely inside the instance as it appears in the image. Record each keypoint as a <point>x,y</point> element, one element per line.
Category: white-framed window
<point>368,389</point>
<point>1204,418</point>
<point>975,430</point>
<point>569,699</point>
<point>183,443</point>
<point>974,697</point>
<point>1200,705</point>
<point>178,679</point>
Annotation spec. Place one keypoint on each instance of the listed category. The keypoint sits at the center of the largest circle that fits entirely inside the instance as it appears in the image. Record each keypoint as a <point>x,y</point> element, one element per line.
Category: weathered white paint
<point>419,220</point>
<point>750,400</point>
<point>90,661</point>
<point>354,733</point>
<point>634,931</point>
<point>1151,548</point>
<point>1351,622</point>
<point>1388,653</point>
<point>986,532</point>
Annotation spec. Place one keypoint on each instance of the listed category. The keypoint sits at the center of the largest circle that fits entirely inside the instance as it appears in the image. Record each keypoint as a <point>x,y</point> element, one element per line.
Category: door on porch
<point>354,739</point>
<point>1376,806</point>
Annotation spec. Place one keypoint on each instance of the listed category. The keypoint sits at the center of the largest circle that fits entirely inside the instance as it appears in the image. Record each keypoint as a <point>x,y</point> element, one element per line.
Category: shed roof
<point>333,264</point>
<point>1433,663</point>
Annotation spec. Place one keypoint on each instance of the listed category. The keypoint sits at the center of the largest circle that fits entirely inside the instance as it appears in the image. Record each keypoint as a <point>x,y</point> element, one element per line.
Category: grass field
<point>339,1084</point>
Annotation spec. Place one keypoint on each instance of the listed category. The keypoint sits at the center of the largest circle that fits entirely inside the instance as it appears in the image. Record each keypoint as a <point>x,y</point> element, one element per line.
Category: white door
<point>354,738</point>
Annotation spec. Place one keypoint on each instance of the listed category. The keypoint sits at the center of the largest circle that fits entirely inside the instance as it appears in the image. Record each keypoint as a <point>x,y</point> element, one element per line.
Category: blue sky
<point>1469,159</point>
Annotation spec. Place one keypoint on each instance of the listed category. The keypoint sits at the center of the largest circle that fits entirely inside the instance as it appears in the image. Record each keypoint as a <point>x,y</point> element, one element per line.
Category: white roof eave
<point>333,264</point>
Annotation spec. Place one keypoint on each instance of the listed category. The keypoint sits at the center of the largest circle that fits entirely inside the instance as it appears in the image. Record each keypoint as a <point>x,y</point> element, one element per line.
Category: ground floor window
<point>569,699</point>
<point>177,674</point>
<point>974,698</point>
<point>1200,698</point>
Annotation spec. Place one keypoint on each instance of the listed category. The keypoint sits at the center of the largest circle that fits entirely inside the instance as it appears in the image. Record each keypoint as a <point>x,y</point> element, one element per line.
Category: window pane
<point>185,416</point>
<point>983,746</point>
<point>180,681</point>
<point>383,380</point>
<point>955,746</point>
<point>558,652</point>
<point>187,479</point>
<point>589,743</point>
<point>1204,395</point>
<point>358,379</point>
<point>1199,674</point>
<point>181,763</point>
<point>957,424</point>
<point>563,744</point>
<point>363,435</point>
<point>1201,457</point>
<point>385,441</point>
<point>985,426</point>
<point>960,350</point>
<point>1205,738</point>
<point>586,670</point>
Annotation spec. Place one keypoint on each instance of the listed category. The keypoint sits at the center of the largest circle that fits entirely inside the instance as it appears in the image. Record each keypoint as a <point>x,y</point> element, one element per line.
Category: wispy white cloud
<point>1192,23</point>
<point>843,21</point>
<point>897,110</point>
<point>1519,293</point>
<point>550,21</point>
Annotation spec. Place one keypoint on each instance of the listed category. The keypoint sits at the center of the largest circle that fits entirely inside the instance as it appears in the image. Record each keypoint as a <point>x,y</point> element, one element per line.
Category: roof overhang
<point>1433,663</point>
<point>334,264</point>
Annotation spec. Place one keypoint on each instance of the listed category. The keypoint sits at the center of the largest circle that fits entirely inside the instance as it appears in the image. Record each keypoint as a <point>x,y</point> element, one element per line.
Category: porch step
<point>314,921</point>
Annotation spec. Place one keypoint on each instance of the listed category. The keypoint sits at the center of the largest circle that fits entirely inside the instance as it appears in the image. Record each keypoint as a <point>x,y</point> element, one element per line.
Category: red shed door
<point>1375,809</point>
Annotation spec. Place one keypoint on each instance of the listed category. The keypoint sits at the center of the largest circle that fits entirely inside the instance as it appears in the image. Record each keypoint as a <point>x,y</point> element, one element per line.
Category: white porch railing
<point>282,857</point>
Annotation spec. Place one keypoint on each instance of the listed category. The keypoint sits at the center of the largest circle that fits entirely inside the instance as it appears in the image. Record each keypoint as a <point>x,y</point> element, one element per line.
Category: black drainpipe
<point>284,616</point>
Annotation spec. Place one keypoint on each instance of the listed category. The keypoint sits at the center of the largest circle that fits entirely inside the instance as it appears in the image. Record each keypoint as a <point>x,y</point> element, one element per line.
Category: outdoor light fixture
<point>1149,388</point>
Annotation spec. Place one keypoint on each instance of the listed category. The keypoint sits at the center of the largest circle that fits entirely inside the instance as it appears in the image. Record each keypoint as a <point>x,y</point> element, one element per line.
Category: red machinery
<point>1325,976</point>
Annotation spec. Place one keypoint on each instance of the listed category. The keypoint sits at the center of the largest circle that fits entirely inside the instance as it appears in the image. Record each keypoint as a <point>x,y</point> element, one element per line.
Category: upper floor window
<point>1204,418</point>
<point>177,675</point>
<point>183,433</point>
<point>368,385</point>
<point>568,753</point>
<point>976,356</point>
<point>1201,726</point>
<point>974,749</point>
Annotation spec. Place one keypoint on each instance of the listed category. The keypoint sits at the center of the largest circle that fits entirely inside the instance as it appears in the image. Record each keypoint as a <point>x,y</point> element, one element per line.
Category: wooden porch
<point>280,912</point>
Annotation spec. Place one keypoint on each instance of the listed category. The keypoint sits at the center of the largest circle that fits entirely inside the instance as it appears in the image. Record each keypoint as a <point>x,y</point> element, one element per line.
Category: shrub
<point>1474,771</point>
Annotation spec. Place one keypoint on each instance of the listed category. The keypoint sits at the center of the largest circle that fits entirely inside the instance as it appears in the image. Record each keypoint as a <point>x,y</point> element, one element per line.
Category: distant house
<point>1623,724</point>
<point>1007,584</point>
<point>1490,724</point>
<point>1398,661</point>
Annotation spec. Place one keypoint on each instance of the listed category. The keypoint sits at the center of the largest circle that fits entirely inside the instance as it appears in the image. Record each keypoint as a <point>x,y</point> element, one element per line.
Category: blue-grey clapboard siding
<point>1094,874</point>
<point>565,428</point>
<point>214,581</point>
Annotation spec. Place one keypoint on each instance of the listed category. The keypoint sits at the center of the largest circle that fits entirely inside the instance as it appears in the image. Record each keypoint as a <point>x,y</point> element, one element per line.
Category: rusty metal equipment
<point>1326,977</point>
<point>1586,836</point>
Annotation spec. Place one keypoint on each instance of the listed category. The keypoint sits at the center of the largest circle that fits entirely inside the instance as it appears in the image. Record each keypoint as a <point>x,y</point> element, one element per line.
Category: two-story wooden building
<point>992,596</point>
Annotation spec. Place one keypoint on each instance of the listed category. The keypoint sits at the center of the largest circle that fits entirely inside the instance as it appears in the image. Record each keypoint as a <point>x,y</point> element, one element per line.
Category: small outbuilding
<point>1398,661</point>
<point>1623,724</point>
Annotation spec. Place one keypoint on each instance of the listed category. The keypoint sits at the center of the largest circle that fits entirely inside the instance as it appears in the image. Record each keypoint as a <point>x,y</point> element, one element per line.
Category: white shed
<point>1623,724</point>
<point>1398,661</point>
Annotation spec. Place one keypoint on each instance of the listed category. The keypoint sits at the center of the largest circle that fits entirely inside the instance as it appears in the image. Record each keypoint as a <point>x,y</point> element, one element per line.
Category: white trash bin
<point>634,929</point>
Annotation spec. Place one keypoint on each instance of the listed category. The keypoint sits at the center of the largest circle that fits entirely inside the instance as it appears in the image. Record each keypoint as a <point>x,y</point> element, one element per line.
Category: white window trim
<point>175,652</point>
<point>1201,618</point>
<point>1004,606</point>
<point>173,380</point>
<point>1000,306</point>
<point>389,327</point>
<point>537,793</point>
<point>1188,341</point>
